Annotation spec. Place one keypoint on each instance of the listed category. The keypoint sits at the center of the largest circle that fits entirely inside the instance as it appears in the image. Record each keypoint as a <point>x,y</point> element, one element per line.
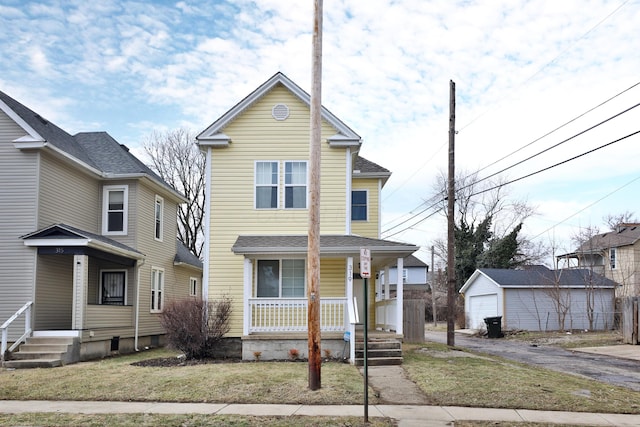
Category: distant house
<point>614,254</point>
<point>88,246</point>
<point>257,219</point>
<point>539,299</point>
<point>414,277</point>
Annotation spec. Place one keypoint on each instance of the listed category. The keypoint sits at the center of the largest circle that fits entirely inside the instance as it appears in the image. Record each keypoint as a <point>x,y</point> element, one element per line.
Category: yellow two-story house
<point>257,221</point>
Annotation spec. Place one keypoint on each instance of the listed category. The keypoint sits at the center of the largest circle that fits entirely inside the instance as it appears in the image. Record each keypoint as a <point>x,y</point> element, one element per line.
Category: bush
<point>194,326</point>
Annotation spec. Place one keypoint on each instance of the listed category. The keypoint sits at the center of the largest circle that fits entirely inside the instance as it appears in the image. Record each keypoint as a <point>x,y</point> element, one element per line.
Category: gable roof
<point>97,152</point>
<point>185,257</point>
<point>540,277</point>
<point>213,135</point>
<point>623,235</point>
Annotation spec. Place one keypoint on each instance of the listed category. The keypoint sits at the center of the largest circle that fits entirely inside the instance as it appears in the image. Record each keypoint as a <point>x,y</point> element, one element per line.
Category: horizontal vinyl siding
<point>68,196</point>
<point>255,135</point>
<point>54,294</point>
<point>18,213</point>
<point>332,277</point>
<point>370,227</point>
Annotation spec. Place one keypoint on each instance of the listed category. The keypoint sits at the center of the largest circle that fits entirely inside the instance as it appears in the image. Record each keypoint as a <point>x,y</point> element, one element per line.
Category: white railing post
<point>5,329</point>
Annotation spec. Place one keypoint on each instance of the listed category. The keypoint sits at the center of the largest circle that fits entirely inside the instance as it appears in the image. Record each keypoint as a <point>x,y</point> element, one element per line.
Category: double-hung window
<point>157,289</point>
<point>612,258</point>
<point>266,180</point>
<point>295,185</point>
<point>193,286</point>
<point>359,205</point>
<point>158,217</point>
<point>281,278</point>
<point>114,209</point>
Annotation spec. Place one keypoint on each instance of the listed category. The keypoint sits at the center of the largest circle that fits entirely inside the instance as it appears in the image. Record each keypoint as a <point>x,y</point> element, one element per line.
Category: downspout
<point>207,225</point>
<point>348,195</point>
<point>139,264</point>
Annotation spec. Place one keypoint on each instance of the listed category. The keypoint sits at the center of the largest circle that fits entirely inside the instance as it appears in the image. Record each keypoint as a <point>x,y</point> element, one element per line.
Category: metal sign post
<point>365,273</point>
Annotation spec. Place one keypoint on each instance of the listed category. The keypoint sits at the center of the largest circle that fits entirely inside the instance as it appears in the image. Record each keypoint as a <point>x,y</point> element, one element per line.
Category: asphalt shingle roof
<point>541,276</point>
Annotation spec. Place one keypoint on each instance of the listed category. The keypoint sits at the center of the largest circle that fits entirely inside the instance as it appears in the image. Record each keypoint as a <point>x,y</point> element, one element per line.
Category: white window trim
<point>160,288</point>
<point>255,184</point>
<point>126,280</point>
<point>255,276</point>
<point>285,186</point>
<point>366,191</point>
<point>193,286</point>
<point>105,209</point>
<point>159,200</point>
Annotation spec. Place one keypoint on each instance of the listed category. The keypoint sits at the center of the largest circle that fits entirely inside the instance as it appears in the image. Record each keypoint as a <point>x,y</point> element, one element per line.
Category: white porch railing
<point>5,329</point>
<point>290,314</point>
<point>386,314</point>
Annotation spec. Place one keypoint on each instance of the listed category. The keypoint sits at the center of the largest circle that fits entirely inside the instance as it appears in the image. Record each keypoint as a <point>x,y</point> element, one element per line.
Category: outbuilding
<point>536,298</point>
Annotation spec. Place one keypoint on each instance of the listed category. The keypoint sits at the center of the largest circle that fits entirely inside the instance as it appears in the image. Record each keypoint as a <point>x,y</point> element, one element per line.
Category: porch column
<point>248,275</point>
<point>400,297</point>
<point>387,292</point>
<point>80,284</point>
<point>350,303</point>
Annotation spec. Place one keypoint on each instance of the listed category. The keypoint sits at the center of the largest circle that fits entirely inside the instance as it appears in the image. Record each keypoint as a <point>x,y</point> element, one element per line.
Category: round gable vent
<point>280,112</point>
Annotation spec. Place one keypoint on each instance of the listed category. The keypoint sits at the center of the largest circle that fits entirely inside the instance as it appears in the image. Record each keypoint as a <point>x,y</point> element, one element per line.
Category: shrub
<point>294,354</point>
<point>194,326</point>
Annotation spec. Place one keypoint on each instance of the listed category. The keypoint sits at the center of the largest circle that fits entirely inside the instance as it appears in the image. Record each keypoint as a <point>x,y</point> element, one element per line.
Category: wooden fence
<point>629,310</point>
<point>413,320</point>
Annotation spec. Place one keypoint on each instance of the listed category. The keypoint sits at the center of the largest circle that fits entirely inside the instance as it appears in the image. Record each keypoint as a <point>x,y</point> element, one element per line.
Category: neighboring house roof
<point>541,277</point>
<point>97,151</point>
<point>212,135</point>
<point>364,168</point>
<point>185,257</point>
<point>329,245</point>
<point>412,261</point>
<point>66,235</point>
<point>623,235</point>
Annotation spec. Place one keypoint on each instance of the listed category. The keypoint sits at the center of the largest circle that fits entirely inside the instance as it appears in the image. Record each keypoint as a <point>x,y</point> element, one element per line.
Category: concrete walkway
<point>407,415</point>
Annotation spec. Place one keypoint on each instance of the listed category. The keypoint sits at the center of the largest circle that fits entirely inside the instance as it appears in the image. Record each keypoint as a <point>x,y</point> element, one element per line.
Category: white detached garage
<point>539,299</point>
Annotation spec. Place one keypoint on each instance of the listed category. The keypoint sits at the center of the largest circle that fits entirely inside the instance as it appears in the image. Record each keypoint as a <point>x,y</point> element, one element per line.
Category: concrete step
<point>34,355</point>
<point>380,352</point>
<point>44,348</point>
<point>50,340</point>
<point>379,361</point>
<point>33,363</point>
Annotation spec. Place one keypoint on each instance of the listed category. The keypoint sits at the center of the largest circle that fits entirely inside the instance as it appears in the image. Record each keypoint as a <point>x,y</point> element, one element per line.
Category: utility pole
<point>433,289</point>
<point>313,249</point>
<point>451,196</point>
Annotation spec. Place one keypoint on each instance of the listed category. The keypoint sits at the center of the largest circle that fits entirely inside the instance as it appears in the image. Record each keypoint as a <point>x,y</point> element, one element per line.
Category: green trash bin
<point>494,326</point>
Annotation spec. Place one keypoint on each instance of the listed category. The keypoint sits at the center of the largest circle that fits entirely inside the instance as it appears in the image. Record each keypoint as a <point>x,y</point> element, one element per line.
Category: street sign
<point>365,263</point>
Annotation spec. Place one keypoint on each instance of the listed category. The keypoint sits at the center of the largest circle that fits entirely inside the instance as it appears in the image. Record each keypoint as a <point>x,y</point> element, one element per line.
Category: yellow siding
<point>332,277</point>
<point>256,135</point>
<point>370,227</point>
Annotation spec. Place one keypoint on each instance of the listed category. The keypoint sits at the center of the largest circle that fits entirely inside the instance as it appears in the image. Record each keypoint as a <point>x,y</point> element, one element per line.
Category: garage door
<point>481,306</point>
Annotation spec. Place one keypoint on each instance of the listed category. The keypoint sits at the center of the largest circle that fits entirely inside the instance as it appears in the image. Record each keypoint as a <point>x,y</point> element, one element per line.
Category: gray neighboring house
<point>88,252</point>
<point>414,277</point>
<point>532,298</point>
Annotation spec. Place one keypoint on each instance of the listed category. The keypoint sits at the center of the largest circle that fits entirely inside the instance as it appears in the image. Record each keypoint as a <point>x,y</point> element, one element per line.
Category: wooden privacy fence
<point>629,308</point>
<point>413,323</point>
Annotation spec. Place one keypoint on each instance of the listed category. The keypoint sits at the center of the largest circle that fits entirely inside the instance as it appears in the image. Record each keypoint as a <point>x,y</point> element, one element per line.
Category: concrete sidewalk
<point>407,415</point>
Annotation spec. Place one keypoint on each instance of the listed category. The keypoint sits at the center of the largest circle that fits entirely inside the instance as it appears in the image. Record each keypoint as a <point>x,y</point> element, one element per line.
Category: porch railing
<point>26,309</point>
<point>290,314</point>
<point>386,314</point>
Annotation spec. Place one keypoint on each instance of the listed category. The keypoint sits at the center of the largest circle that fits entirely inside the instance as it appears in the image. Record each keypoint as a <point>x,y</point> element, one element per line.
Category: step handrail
<point>5,329</point>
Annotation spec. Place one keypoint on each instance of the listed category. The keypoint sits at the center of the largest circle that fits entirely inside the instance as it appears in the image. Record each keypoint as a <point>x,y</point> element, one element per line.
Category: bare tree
<point>177,160</point>
<point>613,220</point>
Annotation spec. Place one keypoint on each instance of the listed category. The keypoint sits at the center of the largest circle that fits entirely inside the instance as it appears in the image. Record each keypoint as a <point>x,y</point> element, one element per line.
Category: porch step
<point>380,352</point>
<point>42,352</point>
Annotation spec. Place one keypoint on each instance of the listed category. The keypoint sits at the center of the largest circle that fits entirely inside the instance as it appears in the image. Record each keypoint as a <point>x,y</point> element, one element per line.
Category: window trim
<point>613,254</point>
<point>157,304</point>
<point>305,185</point>
<point>124,300</point>
<point>366,195</point>
<point>193,286</point>
<point>158,223</point>
<point>106,190</point>
<point>280,262</point>
<point>256,185</point>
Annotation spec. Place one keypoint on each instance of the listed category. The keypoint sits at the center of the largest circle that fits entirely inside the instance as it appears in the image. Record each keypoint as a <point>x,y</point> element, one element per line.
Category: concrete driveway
<point>619,365</point>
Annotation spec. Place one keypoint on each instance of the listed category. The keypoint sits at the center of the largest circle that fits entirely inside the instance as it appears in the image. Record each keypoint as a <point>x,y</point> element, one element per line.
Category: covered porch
<point>283,318</point>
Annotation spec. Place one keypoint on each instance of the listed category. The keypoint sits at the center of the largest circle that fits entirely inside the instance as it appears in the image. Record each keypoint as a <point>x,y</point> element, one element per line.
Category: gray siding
<point>18,211</point>
<point>54,293</point>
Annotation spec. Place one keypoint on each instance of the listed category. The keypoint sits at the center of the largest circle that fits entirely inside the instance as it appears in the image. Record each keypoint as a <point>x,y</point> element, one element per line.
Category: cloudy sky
<point>529,76</point>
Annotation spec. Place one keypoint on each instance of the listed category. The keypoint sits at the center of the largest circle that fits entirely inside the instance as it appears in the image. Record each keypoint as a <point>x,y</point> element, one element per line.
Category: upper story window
<point>115,209</point>
<point>295,185</point>
<point>281,278</point>
<point>193,286</point>
<point>612,258</point>
<point>159,217</point>
<point>266,185</point>
<point>359,205</point>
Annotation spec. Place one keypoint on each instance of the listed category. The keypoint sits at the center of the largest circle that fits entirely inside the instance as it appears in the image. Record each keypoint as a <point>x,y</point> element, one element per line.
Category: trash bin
<point>494,326</point>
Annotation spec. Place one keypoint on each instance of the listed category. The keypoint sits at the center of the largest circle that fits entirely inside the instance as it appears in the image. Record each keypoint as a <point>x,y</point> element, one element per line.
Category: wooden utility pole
<point>451,200</point>
<point>433,289</point>
<point>313,249</point>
